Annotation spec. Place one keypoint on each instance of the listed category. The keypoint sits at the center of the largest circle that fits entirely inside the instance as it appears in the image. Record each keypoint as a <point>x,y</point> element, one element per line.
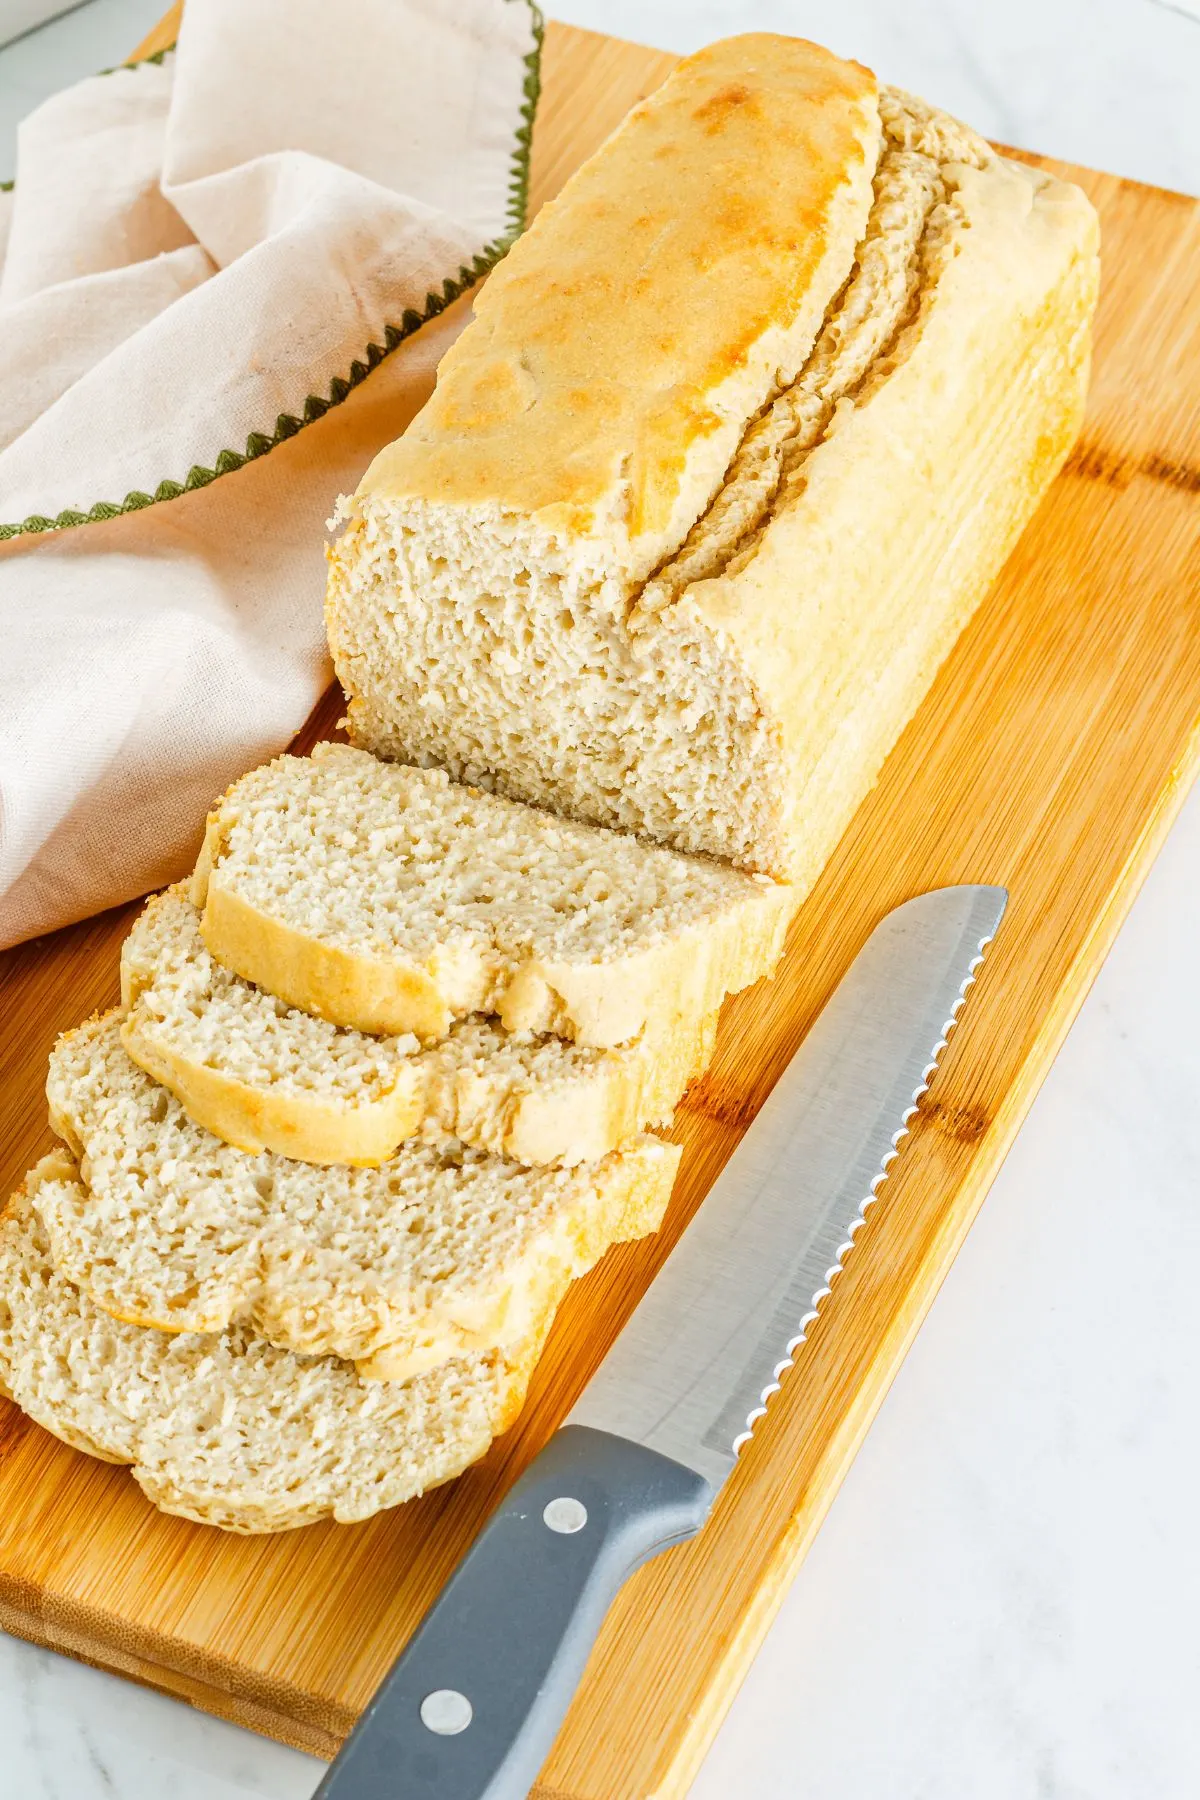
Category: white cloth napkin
<point>202,265</point>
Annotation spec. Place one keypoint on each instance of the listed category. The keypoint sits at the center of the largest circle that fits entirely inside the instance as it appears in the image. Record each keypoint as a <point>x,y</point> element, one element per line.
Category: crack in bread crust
<point>913,218</point>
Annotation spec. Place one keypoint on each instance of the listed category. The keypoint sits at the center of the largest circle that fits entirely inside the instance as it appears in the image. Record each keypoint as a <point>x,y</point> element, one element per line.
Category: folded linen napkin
<point>226,276</point>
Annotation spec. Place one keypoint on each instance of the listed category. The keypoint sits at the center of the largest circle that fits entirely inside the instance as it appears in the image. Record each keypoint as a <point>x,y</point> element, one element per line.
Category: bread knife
<point>472,1706</point>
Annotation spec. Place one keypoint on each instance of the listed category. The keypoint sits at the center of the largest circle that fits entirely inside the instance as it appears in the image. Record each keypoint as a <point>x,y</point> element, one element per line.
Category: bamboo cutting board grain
<point>1051,756</point>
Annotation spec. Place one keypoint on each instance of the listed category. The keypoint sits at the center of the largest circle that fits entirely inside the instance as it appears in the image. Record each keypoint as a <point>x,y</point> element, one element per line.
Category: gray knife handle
<point>471,1708</point>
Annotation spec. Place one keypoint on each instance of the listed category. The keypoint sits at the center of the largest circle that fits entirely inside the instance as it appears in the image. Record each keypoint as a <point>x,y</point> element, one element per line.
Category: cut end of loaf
<point>480,658</point>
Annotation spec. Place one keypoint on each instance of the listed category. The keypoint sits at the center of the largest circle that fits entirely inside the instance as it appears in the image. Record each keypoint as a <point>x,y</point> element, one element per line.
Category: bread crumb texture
<point>440,1250</point>
<point>390,898</point>
<point>266,1076</point>
<point>224,1428</point>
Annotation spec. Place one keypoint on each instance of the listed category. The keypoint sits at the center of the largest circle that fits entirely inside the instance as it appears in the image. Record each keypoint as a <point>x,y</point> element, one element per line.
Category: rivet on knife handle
<point>472,1707</point>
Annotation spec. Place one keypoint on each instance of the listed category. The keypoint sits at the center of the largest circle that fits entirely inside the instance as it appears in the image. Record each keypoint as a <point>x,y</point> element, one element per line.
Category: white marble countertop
<point>1003,1603</point>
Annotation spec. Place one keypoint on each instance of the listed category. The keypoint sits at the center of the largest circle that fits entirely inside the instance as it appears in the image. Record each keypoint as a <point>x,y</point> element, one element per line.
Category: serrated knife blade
<point>694,1367</point>
<point>472,1706</point>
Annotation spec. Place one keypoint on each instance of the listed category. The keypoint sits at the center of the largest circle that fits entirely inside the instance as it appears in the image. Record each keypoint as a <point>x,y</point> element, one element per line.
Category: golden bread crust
<point>649,302</point>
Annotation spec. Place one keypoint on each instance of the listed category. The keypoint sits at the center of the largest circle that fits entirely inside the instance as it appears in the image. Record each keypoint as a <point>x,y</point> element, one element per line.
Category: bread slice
<point>265,1076</point>
<point>225,1429</point>
<point>441,1251</point>
<point>622,568</point>
<point>389,899</point>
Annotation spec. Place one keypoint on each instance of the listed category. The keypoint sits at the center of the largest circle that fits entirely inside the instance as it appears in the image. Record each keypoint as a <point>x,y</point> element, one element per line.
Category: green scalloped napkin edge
<point>260,443</point>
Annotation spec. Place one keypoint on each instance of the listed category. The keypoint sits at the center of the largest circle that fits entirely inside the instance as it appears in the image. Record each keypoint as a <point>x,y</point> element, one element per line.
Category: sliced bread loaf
<point>439,1252</point>
<point>390,899</point>
<point>265,1076</point>
<point>225,1429</point>
<point>725,462</point>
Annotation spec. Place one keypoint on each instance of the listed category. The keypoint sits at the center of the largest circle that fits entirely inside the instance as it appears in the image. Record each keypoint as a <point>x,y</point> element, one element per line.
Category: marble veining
<point>1002,1604</point>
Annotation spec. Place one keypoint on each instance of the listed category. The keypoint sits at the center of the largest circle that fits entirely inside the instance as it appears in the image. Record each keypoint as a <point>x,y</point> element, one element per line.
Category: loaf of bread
<point>265,1076</point>
<point>439,1252</point>
<point>226,1429</point>
<point>741,433</point>
<point>389,899</point>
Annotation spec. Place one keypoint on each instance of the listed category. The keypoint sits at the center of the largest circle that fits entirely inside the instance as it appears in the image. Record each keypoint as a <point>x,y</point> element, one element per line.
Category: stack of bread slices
<point>378,1089</point>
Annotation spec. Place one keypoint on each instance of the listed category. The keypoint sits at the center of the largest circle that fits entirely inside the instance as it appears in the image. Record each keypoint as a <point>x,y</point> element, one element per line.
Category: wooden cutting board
<point>1051,756</point>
